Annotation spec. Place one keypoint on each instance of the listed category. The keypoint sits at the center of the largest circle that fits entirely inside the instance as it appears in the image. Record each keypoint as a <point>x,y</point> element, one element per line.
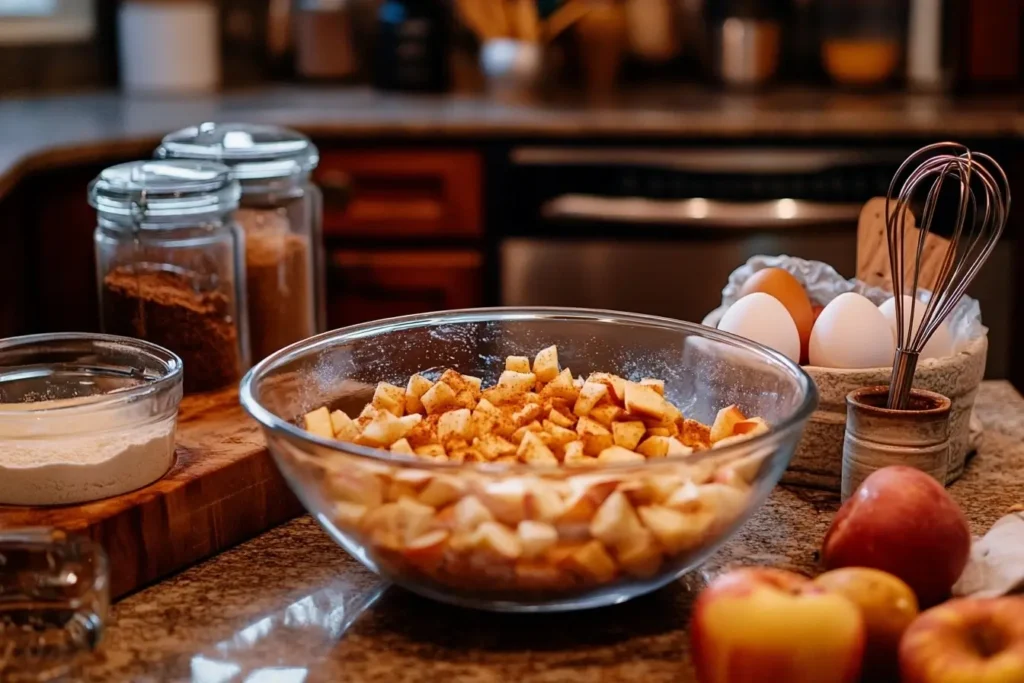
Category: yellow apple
<point>886,603</point>
<point>759,624</point>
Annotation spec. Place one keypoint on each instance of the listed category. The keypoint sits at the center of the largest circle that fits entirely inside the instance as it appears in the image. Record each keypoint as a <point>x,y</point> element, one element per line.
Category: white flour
<point>59,470</point>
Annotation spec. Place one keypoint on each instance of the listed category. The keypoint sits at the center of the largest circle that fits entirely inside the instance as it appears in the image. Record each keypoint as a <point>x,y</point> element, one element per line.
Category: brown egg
<point>788,290</point>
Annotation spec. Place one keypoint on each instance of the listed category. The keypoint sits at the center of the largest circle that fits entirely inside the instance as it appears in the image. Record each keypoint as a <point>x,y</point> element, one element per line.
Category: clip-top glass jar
<point>169,264</point>
<point>280,216</point>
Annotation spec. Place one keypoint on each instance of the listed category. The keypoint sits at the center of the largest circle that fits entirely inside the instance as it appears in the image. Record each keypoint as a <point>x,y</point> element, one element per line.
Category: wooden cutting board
<point>222,490</point>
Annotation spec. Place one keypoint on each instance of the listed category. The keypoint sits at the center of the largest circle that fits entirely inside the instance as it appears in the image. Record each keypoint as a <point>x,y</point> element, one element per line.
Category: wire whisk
<point>983,194</point>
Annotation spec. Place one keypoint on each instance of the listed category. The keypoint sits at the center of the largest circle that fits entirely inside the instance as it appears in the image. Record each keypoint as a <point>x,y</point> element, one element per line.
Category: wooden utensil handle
<point>873,250</point>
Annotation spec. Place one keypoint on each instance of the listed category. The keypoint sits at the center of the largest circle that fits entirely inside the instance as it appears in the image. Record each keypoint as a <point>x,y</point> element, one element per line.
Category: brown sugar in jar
<point>164,307</point>
<point>279,281</point>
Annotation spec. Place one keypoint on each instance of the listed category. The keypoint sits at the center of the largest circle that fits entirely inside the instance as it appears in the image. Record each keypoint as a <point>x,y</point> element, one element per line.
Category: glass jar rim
<point>164,190</point>
<point>252,151</point>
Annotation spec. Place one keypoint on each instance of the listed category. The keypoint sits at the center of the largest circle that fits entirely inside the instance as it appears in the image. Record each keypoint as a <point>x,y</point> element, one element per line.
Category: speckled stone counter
<point>55,131</point>
<point>292,607</point>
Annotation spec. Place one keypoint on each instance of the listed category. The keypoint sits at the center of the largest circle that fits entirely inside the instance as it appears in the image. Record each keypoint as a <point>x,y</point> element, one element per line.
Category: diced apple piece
<point>545,365</point>
<point>427,551</point>
<point>438,399</point>
<point>517,436</point>
<point>469,513</point>
<point>676,531</point>
<point>455,424</point>
<point>402,447</point>
<point>520,364</point>
<point>616,385</point>
<point>536,538</point>
<point>385,429</point>
<point>493,446</point>
<point>473,382</point>
<point>618,454</point>
<point>654,446</point>
<point>527,414</point>
<point>459,383</point>
<point>390,398</point>
<point>318,423</point>
<point>544,502</point>
<point>606,414</point>
<point>641,555</point>
<point>615,521</point>
<point>590,395</point>
<point>417,386</point>
<point>628,434</point>
<point>593,562</point>
<point>657,384</point>
<point>725,502</point>
<point>441,491</point>
<point>563,386</point>
<point>751,427</point>
<point>356,486</point>
<point>595,437</point>
<point>348,514</point>
<point>675,447</point>
<point>506,499</point>
<point>559,418</point>
<point>741,472</point>
<point>433,451</point>
<point>658,431</point>
<point>726,418</point>
<point>533,451</point>
<point>645,401</point>
<point>510,386</point>
<point>560,435</point>
<point>497,538</point>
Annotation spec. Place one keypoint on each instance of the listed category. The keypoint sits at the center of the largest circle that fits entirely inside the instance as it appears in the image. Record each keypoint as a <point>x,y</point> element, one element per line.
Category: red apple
<point>981,641</point>
<point>902,521</point>
<point>762,624</point>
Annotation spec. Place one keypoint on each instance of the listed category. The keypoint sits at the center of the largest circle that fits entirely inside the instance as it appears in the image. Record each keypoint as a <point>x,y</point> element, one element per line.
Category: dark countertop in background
<point>292,606</point>
<point>47,132</point>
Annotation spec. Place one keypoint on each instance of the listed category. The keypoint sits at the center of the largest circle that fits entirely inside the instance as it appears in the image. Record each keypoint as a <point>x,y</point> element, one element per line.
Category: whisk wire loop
<point>983,205</point>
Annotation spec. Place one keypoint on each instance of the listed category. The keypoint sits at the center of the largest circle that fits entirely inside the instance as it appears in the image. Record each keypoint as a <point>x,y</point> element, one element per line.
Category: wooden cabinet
<point>383,195</point>
<point>370,284</point>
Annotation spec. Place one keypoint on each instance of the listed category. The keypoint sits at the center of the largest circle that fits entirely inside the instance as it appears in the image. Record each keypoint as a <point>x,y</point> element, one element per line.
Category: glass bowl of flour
<point>84,417</point>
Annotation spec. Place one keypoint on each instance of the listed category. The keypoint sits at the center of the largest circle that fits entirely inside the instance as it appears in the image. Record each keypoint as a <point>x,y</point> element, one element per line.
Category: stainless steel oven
<point>660,230</point>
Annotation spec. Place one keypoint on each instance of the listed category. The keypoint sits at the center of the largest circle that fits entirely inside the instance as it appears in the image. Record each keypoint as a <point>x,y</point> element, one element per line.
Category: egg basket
<point>818,461</point>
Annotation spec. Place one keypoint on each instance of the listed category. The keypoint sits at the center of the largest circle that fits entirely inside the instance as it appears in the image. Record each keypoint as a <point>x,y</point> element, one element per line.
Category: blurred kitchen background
<point>624,154</point>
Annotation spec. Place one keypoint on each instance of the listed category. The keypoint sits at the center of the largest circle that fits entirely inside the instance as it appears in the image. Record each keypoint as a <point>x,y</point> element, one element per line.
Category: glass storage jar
<point>169,264</point>
<point>280,214</point>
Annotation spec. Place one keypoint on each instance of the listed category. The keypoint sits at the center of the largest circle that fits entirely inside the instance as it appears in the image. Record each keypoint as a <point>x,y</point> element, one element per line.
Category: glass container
<point>84,416</point>
<point>370,501</point>
<point>170,264</point>
<point>862,40</point>
<point>54,597</point>
<point>281,216</point>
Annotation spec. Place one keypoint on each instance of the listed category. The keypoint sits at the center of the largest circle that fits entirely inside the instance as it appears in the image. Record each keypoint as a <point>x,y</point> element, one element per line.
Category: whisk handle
<point>902,380</point>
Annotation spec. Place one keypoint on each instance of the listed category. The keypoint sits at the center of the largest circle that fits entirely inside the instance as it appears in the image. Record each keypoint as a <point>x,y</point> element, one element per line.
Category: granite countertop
<point>46,132</point>
<point>290,606</point>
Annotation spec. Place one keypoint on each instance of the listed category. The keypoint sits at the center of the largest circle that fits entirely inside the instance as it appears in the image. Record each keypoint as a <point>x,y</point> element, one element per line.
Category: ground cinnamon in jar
<point>165,307</point>
<point>279,273</point>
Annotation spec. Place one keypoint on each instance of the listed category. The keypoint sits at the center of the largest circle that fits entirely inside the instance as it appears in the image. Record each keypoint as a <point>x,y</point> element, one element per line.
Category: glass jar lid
<point>164,190</point>
<point>254,152</point>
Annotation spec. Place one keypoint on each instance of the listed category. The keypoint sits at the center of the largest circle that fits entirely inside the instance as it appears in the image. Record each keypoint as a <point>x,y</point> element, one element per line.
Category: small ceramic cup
<point>877,437</point>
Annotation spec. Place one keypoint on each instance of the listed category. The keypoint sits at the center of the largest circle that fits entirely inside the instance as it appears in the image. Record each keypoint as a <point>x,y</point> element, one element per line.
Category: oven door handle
<point>697,212</point>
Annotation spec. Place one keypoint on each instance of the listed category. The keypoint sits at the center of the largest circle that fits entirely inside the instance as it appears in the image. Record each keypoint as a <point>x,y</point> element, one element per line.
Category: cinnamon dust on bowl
<point>165,307</point>
<point>279,283</point>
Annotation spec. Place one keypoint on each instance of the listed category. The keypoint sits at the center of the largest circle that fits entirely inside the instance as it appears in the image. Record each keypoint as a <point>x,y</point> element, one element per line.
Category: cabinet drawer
<point>401,194</point>
<point>368,285</point>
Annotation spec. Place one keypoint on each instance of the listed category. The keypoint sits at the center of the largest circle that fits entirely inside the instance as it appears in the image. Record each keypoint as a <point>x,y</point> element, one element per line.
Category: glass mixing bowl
<point>455,532</point>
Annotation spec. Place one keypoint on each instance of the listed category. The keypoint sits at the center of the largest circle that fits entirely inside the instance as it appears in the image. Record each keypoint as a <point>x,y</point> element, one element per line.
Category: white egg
<point>851,333</point>
<point>762,318</point>
<point>941,343</point>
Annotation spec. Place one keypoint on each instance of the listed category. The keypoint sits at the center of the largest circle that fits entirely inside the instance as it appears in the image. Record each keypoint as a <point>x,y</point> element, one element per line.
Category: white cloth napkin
<point>996,565</point>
